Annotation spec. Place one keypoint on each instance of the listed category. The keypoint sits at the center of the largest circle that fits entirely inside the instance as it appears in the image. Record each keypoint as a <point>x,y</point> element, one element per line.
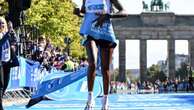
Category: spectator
<point>8,57</point>
<point>41,43</point>
<point>83,62</point>
<point>69,65</point>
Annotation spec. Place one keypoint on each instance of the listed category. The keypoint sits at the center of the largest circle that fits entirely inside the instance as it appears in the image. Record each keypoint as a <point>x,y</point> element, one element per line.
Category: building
<point>179,59</point>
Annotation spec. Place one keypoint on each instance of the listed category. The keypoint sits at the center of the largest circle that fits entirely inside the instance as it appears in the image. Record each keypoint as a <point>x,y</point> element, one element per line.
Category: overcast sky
<point>156,50</point>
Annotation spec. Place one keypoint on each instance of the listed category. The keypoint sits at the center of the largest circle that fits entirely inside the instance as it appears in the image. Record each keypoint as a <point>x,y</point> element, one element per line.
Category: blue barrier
<point>78,90</point>
<point>57,83</point>
<point>30,74</point>
<point>25,75</point>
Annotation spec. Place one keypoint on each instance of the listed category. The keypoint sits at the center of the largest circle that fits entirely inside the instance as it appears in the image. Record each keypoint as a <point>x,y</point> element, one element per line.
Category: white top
<point>98,6</point>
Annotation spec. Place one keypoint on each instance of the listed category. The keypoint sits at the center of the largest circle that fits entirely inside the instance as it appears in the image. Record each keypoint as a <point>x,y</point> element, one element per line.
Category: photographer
<point>8,59</point>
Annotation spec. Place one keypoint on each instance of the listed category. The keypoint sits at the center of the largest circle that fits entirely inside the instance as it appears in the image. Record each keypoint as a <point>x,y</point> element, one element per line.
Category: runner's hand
<point>76,11</point>
<point>101,19</point>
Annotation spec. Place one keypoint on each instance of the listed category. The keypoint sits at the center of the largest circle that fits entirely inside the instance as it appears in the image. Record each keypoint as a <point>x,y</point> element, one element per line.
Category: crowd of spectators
<point>50,56</point>
<point>166,86</point>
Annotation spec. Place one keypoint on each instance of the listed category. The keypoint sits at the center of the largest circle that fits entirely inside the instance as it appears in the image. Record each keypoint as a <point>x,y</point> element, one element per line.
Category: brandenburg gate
<point>154,26</point>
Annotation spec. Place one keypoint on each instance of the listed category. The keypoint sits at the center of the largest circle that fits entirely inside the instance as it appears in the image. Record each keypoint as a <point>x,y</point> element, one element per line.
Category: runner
<point>99,37</point>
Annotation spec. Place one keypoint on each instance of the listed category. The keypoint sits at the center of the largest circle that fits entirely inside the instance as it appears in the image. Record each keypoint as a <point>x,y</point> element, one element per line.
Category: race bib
<point>97,6</point>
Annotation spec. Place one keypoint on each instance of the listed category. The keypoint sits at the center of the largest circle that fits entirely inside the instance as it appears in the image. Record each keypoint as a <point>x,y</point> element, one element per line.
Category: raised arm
<point>121,13</point>
<point>117,4</point>
<point>83,9</point>
<point>79,12</point>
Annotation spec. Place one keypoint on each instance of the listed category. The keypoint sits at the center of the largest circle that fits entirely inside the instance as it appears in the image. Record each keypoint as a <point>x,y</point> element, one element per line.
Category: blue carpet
<point>170,101</point>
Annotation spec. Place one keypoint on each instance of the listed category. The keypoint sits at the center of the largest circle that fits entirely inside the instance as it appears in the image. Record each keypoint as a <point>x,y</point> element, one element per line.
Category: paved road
<point>170,101</point>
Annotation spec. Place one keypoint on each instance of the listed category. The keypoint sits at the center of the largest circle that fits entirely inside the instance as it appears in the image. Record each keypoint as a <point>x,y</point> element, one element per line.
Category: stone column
<point>171,59</point>
<point>122,60</point>
<point>143,59</point>
<point>191,54</point>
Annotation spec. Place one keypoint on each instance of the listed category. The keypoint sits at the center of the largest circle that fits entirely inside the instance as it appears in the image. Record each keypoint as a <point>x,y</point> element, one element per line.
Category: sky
<point>156,49</point>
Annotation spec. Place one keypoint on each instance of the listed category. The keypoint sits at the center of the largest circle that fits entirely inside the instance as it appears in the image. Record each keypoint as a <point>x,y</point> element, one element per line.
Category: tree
<point>114,76</point>
<point>154,73</point>
<point>55,19</point>
<point>3,7</point>
<point>130,76</point>
<point>183,71</point>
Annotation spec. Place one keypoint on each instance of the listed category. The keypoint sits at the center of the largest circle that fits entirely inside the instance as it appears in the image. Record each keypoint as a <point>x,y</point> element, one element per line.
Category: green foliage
<point>154,69</point>
<point>114,76</point>
<point>154,73</point>
<point>4,7</point>
<point>129,75</point>
<point>55,19</point>
<point>182,72</point>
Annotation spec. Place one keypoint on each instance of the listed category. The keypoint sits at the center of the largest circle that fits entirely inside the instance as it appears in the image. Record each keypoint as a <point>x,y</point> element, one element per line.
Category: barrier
<point>68,84</point>
<point>26,75</point>
<point>57,83</point>
<point>77,90</point>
